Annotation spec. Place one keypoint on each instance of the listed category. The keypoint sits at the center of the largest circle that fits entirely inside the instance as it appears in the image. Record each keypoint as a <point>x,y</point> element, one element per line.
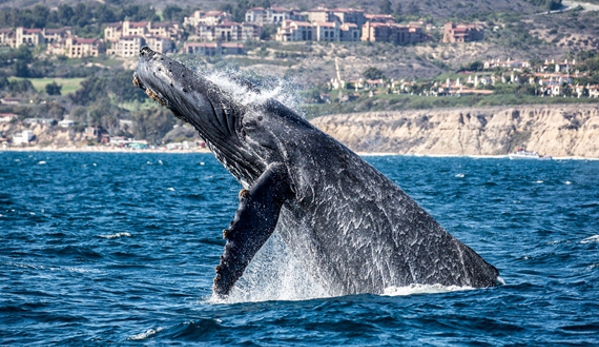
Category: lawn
<point>69,85</point>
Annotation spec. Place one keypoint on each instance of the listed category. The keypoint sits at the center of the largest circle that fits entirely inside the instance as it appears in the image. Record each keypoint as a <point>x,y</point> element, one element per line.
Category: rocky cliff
<point>556,130</point>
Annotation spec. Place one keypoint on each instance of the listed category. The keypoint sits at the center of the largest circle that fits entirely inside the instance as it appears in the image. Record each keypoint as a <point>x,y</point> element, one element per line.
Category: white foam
<point>282,91</point>
<point>423,289</point>
<point>568,183</point>
<point>273,274</point>
<point>170,189</point>
<point>41,162</point>
<point>460,175</point>
<point>145,335</point>
<point>592,239</point>
<point>117,235</point>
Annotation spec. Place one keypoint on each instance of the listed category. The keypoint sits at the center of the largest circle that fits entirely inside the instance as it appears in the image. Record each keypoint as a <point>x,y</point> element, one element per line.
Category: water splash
<point>274,274</point>
<point>230,81</point>
<point>423,289</point>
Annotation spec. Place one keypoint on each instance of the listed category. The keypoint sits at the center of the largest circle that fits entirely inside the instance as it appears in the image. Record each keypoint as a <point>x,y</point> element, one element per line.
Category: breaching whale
<point>354,229</point>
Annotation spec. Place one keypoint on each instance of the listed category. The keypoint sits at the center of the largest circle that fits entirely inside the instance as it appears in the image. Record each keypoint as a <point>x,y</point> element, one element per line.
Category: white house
<point>23,138</point>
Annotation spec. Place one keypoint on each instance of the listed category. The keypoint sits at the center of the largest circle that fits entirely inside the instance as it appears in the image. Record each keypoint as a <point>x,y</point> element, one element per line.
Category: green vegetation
<point>393,102</point>
<point>68,85</point>
<point>547,4</point>
<point>373,73</point>
<point>86,18</point>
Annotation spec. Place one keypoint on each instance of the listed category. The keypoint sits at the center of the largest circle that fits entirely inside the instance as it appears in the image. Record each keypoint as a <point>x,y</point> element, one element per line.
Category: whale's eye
<point>159,69</point>
<point>171,84</point>
<point>182,75</point>
<point>184,90</point>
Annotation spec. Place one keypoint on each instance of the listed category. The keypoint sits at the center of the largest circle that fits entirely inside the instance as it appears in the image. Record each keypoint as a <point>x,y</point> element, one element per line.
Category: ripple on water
<point>110,256</point>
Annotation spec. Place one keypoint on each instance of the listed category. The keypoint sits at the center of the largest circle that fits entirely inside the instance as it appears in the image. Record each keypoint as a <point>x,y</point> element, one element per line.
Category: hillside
<point>566,130</point>
<point>443,9</point>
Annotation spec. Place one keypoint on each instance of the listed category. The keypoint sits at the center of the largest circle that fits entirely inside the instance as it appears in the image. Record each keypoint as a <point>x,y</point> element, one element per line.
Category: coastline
<point>96,149</point>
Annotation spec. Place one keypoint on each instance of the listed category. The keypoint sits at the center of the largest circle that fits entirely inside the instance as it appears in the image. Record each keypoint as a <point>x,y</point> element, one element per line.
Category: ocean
<point>120,248</point>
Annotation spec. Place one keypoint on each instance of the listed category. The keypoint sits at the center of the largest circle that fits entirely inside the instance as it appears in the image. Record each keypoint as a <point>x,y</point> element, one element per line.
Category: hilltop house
<point>392,32</point>
<point>207,18</point>
<point>462,32</point>
<point>128,37</point>
<point>228,31</point>
<point>213,48</point>
<point>291,30</point>
<point>271,15</point>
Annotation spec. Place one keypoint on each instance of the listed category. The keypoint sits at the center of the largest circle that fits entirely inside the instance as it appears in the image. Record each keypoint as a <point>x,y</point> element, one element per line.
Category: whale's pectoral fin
<point>254,222</point>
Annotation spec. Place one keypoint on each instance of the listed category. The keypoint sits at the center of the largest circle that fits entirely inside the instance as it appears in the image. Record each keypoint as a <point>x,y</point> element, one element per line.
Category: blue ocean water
<point>107,248</point>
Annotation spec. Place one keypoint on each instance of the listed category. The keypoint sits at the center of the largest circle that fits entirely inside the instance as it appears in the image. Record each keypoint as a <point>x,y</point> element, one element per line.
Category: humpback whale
<point>354,229</point>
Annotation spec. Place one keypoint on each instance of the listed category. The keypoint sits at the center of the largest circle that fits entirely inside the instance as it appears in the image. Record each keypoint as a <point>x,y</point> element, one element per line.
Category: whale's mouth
<point>149,92</point>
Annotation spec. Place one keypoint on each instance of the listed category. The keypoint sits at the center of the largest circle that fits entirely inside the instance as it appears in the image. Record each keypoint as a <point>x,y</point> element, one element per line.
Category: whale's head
<point>199,102</point>
<point>179,89</point>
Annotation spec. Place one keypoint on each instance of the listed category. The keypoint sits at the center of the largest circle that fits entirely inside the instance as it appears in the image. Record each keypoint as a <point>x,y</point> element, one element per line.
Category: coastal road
<point>572,5</point>
<point>586,7</point>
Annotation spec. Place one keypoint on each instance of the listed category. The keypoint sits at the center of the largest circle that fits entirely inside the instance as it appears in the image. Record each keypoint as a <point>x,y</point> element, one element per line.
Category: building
<point>379,18</point>
<point>208,18</point>
<point>28,37</point>
<point>349,15</point>
<point>7,117</point>
<point>394,33</point>
<point>462,33</point>
<point>320,14</point>
<point>349,32</point>
<point>23,138</point>
<point>166,30</point>
<point>213,48</point>
<point>326,31</point>
<point>43,121</point>
<point>7,37</point>
<point>160,35</point>
<point>228,31</point>
<point>160,44</point>
<point>272,15</point>
<point>66,123</point>
<point>56,35</point>
<point>91,133</point>
<point>77,47</point>
<point>113,31</point>
<point>291,30</point>
<point>127,46</point>
<point>251,31</point>
<point>10,101</point>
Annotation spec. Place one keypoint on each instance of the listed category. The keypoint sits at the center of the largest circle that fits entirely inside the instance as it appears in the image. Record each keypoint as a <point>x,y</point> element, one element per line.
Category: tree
<point>413,9</point>
<point>21,69</point>
<point>53,88</point>
<point>173,13</point>
<point>398,9</point>
<point>385,7</point>
<point>373,73</point>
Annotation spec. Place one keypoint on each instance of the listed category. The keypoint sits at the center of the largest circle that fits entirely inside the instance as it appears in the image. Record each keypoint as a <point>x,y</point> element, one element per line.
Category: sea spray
<point>274,274</point>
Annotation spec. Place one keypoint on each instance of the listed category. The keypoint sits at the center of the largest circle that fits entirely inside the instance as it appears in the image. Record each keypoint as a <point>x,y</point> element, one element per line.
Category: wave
<point>423,289</point>
<point>144,335</point>
<point>592,239</point>
<point>115,236</point>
